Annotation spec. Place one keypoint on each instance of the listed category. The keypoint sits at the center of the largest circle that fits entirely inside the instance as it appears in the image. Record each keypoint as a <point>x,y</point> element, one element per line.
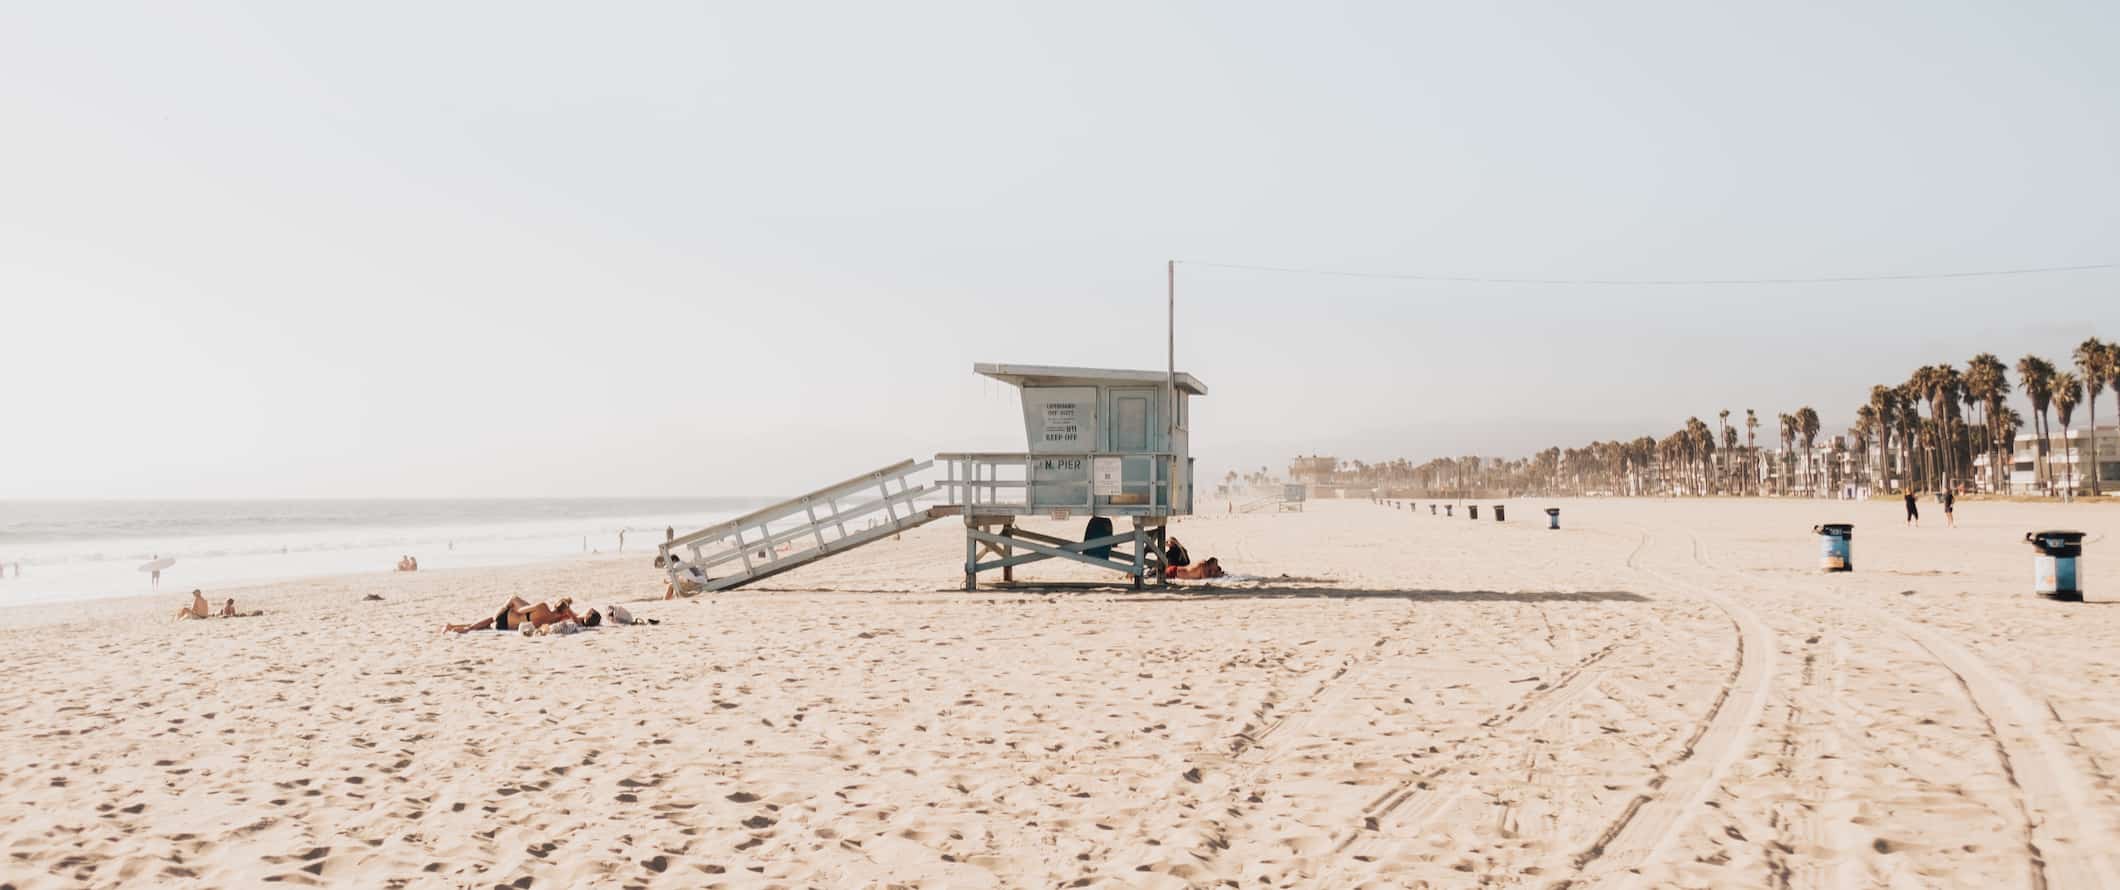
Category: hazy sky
<point>556,249</point>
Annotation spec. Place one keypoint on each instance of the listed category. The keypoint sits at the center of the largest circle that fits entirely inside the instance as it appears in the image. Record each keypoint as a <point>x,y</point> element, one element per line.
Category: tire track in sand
<point>1648,824</point>
<point>2046,787</point>
<point>1248,752</point>
<point>2049,790</point>
<point>1409,803</point>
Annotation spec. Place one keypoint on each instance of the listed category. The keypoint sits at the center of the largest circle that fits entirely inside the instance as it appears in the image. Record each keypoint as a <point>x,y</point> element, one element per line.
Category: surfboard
<point>159,564</point>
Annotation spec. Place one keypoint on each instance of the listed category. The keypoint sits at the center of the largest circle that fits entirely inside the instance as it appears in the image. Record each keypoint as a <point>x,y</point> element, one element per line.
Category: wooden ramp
<point>799,531</point>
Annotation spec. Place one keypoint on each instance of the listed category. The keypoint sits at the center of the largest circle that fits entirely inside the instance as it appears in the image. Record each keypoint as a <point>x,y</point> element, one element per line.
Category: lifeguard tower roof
<point>1053,375</point>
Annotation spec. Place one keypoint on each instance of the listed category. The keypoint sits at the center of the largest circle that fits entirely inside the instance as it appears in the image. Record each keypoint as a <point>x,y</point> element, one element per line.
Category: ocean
<point>69,550</point>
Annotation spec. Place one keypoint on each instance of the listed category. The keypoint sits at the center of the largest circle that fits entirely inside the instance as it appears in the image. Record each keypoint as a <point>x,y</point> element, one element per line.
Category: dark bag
<point>1098,527</point>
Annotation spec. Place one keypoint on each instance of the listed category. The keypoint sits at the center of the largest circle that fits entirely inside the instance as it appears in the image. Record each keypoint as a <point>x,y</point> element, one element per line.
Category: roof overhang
<point>1054,375</point>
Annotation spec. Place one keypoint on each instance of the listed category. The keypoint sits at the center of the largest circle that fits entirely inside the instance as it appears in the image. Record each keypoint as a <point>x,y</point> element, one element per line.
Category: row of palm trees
<point>1936,449</point>
<point>1922,434</point>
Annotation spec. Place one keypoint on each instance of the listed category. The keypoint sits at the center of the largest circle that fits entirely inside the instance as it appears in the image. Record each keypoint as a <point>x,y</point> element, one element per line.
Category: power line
<point>1658,282</point>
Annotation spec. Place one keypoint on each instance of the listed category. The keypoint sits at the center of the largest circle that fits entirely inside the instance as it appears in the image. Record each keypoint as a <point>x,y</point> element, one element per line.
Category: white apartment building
<point>2068,457</point>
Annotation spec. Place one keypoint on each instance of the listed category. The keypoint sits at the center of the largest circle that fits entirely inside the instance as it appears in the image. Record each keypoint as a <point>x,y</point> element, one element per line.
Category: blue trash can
<point>1836,553</point>
<point>1553,517</point>
<point>2055,572</point>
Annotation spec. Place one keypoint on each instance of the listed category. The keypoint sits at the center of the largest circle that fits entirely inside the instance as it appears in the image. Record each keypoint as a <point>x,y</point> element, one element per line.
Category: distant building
<point>1313,470</point>
<point>2068,457</point>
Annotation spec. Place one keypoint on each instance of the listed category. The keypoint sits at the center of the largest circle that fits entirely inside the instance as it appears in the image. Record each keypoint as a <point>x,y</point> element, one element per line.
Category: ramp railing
<point>1019,483</point>
<point>801,530</point>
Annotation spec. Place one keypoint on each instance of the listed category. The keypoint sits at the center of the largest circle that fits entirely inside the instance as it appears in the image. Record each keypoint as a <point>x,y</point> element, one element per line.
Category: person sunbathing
<point>515,613</point>
<point>198,608</point>
<point>1211,568</point>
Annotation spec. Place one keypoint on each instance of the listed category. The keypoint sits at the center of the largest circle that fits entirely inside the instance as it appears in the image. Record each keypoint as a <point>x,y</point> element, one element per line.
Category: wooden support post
<point>1140,553</point>
<point>1008,573</point>
<point>971,556</point>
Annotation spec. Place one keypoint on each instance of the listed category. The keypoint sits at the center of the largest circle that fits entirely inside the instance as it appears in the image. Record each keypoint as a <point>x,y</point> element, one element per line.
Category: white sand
<point>1661,694</point>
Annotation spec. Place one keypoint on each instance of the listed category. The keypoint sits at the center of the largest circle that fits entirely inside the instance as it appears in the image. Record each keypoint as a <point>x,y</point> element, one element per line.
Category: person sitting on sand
<point>228,610</point>
<point>685,581</point>
<point>198,608</point>
<point>404,564</point>
<point>1174,554</point>
<point>1212,568</point>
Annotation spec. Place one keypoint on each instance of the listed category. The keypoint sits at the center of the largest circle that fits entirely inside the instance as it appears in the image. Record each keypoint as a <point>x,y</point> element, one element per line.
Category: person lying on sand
<point>518,612</point>
<point>566,626</point>
<point>198,608</point>
<point>1212,568</point>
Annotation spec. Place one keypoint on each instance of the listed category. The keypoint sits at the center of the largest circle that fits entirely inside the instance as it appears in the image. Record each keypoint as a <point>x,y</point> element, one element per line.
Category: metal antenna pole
<point>1171,342</point>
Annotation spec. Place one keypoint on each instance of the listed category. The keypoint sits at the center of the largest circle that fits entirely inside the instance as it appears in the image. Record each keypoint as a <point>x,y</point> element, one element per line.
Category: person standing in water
<point>1913,509</point>
<point>154,576</point>
<point>621,540</point>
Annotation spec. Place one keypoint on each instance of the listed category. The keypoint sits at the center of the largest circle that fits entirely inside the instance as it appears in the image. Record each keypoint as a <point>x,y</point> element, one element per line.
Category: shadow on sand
<point>1205,593</point>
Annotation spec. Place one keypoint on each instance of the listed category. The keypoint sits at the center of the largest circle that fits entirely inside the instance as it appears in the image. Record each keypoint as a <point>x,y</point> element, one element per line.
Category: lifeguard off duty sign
<point>1063,423</point>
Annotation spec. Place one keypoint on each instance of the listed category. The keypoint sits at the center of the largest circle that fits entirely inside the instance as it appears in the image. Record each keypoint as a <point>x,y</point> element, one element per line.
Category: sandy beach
<point>1662,693</point>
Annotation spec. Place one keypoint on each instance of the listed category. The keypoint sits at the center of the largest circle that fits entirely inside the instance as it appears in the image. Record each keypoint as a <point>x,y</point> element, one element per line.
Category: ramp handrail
<point>861,482</point>
<point>818,516</point>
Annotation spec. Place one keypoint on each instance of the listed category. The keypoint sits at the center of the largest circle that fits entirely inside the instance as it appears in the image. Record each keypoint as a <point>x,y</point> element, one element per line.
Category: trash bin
<point>1447,508</point>
<point>2055,574</point>
<point>1498,514</point>
<point>1431,509</point>
<point>1553,517</point>
<point>1472,511</point>
<point>1835,552</point>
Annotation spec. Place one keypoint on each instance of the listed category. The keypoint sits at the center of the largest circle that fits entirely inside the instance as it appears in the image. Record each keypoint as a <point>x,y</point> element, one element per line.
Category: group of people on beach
<point>200,609</point>
<point>559,617</point>
<point>408,564</point>
<point>1950,505</point>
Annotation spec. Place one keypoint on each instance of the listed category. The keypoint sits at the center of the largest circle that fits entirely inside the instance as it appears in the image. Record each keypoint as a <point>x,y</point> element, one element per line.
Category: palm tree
<point>1722,423</point>
<point>1788,449</point>
<point>1881,405</point>
<point>2068,391</point>
<point>1987,380</point>
<point>2095,360</point>
<point>1807,424</point>
<point>2112,375</point>
<point>2038,376</point>
<point>1752,444</point>
<point>1907,410</point>
<point>2007,422</point>
<point>1864,429</point>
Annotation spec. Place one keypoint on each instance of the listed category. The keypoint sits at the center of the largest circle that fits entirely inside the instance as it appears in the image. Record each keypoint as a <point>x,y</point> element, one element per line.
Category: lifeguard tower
<point>1101,444</point>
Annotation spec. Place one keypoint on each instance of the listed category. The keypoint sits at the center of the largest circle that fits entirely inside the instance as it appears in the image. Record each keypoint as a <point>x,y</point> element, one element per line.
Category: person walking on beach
<point>154,577</point>
<point>1913,509</point>
<point>1950,516</point>
<point>621,540</point>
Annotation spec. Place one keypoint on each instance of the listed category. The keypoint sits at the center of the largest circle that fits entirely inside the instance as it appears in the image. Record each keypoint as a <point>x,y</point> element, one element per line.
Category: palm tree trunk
<point>2094,447</point>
